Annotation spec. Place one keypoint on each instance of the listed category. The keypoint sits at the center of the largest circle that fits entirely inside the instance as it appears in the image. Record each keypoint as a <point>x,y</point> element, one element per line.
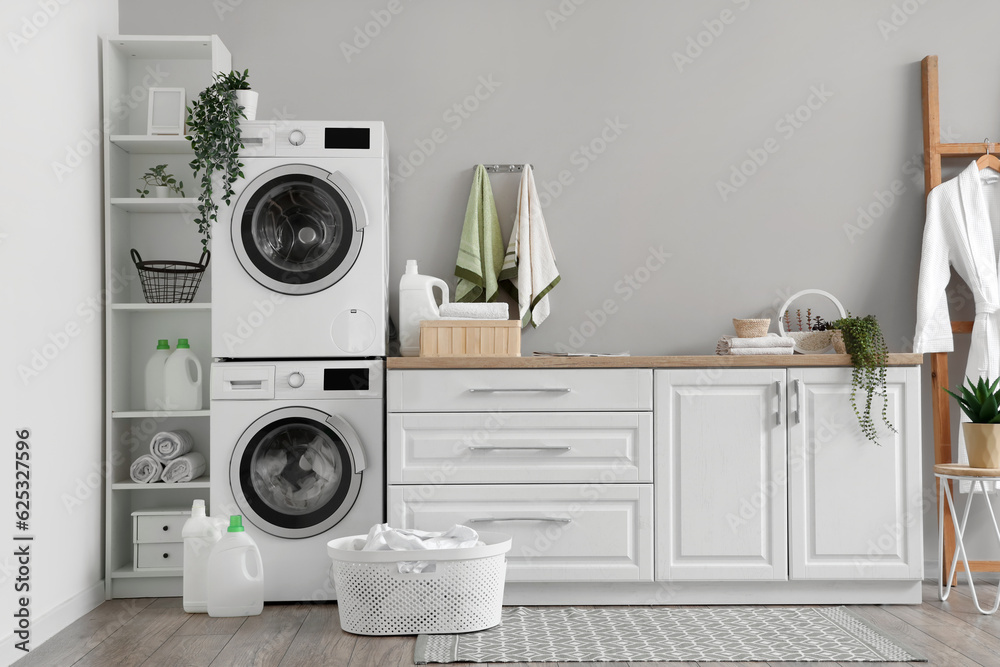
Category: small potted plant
<point>863,340</point>
<point>981,404</point>
<point>214,124</point>
<point>162,183</point>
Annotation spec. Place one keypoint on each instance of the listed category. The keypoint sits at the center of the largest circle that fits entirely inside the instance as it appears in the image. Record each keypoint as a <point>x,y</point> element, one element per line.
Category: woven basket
<point>752,328</point>
<point>837,338</point>
<point>170,281</point>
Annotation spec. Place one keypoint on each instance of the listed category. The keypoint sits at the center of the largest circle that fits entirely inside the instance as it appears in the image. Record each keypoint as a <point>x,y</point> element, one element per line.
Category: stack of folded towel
<point>170,460</point>
<point>475,311</point>
<point>769,344</point>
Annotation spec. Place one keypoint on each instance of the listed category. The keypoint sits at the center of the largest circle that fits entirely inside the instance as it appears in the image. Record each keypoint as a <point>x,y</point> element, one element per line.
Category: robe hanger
<point>988,160</point>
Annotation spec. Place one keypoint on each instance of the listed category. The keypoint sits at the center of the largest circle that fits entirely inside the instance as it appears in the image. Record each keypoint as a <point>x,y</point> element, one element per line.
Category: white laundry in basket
<point>383,538</point>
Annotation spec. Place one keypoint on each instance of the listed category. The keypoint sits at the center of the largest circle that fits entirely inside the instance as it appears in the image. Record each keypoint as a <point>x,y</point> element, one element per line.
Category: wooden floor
<point>154,632</point>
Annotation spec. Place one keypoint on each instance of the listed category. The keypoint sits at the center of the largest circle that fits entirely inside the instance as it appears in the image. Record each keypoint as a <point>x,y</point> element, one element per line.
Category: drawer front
<point>520,389</point>
<point>154,556</point>
<point>159,528</point>
<point>564,532</point>
<point>520,447</point>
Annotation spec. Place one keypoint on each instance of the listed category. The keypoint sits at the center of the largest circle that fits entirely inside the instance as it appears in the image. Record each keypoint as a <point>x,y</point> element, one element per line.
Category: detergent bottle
<point>235,574</point>
<point>416,303</point>
<point>154,376</point>
<point>200,534</point>
<point>182,379</point>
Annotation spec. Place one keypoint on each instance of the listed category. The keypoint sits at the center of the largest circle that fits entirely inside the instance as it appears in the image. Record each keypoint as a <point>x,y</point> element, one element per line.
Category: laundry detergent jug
<point>416,303</point>
<point>154,376</point>
<point>235,574</point>
<point>182,379</point>
<point>200,534</point>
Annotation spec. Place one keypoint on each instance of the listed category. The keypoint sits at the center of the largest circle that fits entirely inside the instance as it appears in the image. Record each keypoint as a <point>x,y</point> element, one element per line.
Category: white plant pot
<point>161,191</point>
<point>248,100</point>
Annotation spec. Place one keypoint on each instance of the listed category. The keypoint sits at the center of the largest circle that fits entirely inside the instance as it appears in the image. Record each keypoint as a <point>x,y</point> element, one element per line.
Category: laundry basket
<point>170,282</point>
<point>464,592</point>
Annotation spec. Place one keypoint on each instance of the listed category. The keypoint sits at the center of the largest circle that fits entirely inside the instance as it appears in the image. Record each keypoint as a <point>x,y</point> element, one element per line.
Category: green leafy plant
<point>980,402</point>
<point>869,355</point>
<point>158,177</point>
<point>214,123</point>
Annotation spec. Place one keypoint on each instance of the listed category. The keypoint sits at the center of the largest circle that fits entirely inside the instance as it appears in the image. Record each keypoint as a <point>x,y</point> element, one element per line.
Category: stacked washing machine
<point>299,328</point>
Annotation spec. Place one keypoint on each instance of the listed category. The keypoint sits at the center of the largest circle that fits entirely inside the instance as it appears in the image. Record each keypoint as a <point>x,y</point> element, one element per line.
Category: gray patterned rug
<point>669,634</point>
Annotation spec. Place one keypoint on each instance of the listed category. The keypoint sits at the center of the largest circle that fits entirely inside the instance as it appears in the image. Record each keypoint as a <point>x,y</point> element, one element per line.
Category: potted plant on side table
<point>862,339</point>
<point>981,404</point>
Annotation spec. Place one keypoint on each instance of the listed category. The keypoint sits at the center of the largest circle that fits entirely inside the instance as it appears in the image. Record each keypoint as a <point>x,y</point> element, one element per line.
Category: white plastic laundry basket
<point>464,593</point>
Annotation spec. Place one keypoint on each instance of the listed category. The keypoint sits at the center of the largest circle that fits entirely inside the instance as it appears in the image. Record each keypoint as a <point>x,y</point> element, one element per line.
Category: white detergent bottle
<point>154,376</point>
<point>235,574</point>
<point>200,534</point>
<point>182,379</point>
<point>416,303</point>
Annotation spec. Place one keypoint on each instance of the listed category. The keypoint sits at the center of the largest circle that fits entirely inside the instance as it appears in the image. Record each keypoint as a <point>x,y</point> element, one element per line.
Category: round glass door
<point>298,229</point>
<point>296,472</point>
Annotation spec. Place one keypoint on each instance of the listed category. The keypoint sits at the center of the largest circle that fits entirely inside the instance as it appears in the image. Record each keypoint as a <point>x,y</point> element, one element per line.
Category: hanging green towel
<point>480,254</point>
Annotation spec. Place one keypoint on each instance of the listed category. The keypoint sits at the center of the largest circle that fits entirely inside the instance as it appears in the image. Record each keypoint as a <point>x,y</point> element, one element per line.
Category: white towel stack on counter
<point>170,460</point>
<point>769,344</point>
<point>475,311</point>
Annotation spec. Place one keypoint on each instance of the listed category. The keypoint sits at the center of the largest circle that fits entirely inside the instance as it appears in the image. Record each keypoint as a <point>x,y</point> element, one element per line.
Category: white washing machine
<point>297,449</point>
<point>300,257</point>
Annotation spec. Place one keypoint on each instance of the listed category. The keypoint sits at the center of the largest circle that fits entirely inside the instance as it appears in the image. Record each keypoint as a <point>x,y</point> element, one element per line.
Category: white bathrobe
<point>963,231</point>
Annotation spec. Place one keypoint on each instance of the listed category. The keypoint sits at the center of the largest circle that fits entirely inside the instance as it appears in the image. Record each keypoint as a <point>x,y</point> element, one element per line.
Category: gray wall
<point>686,128</point>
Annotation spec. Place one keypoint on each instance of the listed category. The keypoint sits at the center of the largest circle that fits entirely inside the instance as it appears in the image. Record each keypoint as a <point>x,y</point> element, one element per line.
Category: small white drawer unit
<point>156,538</point>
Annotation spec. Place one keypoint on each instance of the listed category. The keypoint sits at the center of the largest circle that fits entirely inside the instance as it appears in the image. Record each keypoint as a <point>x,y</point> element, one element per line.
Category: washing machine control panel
<point>333,379</point>
<point>296,380</point>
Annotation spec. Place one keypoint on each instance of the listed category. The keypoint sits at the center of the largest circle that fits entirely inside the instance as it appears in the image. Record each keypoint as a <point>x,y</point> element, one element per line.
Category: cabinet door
<point>720,474</point>
<point>855,507</point>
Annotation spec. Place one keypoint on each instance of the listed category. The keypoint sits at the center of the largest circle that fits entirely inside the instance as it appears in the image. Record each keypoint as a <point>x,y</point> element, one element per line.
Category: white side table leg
<point>959,538</point>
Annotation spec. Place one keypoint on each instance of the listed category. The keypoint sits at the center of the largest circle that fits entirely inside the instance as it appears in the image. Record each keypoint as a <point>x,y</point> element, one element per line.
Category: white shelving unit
<point>160,229</point>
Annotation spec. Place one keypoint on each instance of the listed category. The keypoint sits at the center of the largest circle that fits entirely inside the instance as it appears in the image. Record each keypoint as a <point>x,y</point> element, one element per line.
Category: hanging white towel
<point>529,268</point>
<point>167,445</point>
<point>184,468</point>
<point>145,469</point>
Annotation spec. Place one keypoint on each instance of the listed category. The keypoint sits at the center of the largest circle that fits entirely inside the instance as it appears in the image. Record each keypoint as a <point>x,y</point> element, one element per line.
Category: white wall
<point>50,283</point>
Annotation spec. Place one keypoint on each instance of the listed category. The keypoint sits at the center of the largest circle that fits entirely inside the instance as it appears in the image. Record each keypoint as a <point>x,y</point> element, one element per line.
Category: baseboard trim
<point>46,625</point>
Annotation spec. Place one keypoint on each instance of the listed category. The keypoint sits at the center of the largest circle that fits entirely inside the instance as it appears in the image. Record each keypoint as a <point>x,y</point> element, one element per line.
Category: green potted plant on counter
<point>214,124</point>
<point>863,340</point>
<point>981,404</point>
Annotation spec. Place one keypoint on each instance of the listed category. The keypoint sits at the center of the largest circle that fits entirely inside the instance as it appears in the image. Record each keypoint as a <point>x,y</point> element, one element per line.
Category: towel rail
<point>504,168</point>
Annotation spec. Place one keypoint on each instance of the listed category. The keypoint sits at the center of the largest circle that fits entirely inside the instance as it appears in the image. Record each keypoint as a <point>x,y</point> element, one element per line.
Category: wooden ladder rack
<point>934,150</point>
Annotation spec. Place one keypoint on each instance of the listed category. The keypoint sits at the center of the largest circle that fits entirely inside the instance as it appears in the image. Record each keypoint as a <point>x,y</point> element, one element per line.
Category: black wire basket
<point>170,282</point>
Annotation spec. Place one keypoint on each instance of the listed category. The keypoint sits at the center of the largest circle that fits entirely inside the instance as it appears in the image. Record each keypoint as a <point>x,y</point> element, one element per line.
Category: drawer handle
<point>519,518</point>
<point>166,528</point>
<point>547,390</point>
<point>166,555</point>
<point>490,448</point>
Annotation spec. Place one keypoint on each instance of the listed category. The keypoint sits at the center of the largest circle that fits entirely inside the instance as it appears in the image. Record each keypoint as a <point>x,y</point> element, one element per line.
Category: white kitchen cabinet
<point>855,507</point>
<point>720,474</point>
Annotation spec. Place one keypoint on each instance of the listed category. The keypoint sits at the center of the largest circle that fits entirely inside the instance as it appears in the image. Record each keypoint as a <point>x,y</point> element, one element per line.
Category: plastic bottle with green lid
<point>155,390</point>
<point>200,533</point>
<point>235,574</point>
<point>182,378</point>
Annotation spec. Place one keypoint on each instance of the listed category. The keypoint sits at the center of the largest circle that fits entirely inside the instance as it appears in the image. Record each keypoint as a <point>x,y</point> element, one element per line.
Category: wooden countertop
<point>701,361</point>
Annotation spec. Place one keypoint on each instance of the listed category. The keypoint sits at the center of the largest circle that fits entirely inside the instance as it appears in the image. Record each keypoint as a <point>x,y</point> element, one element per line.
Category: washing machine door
<point>296,472</point>
<point>298,229</point>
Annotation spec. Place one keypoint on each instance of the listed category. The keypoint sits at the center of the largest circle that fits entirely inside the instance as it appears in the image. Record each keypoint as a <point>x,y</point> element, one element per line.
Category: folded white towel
<point>475,311</point>
<point>750,351</point>
<point>383,538</point>
<point>184,468</point>
<point>145,469</point>
<point>167,445</point>
<point>770,340</point>
<point>529,268</point>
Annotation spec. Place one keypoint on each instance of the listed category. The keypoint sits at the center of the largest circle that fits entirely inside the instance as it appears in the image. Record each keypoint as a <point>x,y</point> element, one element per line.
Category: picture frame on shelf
<point>166,112</point>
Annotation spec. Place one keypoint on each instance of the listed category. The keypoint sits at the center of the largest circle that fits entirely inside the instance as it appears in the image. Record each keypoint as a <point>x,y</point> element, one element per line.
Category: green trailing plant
<point>869,355</point>
<point>158,177</point>
<point>213,121</point>
<point>980,402</point>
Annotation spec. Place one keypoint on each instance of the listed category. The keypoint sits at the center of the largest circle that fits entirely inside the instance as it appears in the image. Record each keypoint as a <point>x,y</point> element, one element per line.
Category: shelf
<point>141,414</point>
<point>129,572</point>
<point>142,143</point>
<point>202,482</point>
<point>179,47</point>
<point>156,204</point>
<point>161,306</point>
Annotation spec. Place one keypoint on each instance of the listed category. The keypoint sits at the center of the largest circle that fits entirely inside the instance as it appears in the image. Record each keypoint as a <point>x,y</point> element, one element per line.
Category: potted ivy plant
<point>214,124</point>
<point>161,181</point>
<point>863,340</point>
<point>981,404</point>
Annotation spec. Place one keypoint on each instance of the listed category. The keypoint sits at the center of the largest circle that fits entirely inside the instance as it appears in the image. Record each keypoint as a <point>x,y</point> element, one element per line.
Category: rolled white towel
<point>184,468</point>
<point>145,469</point>
<point>475,311</point>
<point>167,445</point>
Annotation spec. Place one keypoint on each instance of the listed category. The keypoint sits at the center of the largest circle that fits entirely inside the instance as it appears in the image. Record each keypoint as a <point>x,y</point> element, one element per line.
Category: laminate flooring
<point>156,632</point>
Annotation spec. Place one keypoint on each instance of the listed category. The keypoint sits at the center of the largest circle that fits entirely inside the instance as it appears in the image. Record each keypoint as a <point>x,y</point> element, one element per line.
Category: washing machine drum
<point>298,229</point>
<point>296,472</point>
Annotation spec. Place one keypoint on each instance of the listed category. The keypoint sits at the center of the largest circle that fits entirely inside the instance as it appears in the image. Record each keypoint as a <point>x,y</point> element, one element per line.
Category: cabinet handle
<point>490,448</point>
<point>166,528</point>
<point>777,390</point>
<point>798,401</point>
<point>548,390</point>
<point>166,555</point>
<point>519,518</point>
